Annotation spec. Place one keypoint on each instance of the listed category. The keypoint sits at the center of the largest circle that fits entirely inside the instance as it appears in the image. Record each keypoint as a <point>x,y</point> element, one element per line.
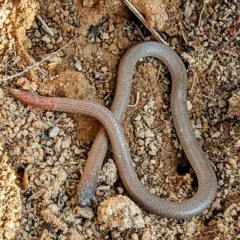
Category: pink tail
<point>34,100</point>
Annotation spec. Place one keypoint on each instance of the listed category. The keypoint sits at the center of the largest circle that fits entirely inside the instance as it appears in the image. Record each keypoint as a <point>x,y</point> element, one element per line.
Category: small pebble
<point>49,45</point>
<point>232,161</point>
<point>1,93</point>
<point>146,235</point>
<point>105,36</point>
<point>138,118</point>
<point>89,232</point>
<point>134,236</point>
<point>54,132</point>
<point>46,39</point>
<point>37,34</point>
<point>189,105</point>
<point>111,28</point>
<point>222,103</point>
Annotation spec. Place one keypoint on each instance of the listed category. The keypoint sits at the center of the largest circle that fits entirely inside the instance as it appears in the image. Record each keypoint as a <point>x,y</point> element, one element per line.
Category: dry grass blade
<point>144,22</point>
<point>37,63</point>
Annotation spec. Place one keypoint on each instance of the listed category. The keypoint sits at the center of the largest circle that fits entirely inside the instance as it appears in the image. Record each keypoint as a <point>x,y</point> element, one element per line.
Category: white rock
<point>46,39</point>
<point>197,134</point>
<point>105,36</point>
<point>61,176</point>
<point>152,147</point>
<point>237,143</point>
<point>189,105</point>
<point>152,153</point>
<point>120,212</point>
<point>85,212</point>
<point>140,133</point>
<point>109,173</point>
<point>78,65</point>
<point>138,118</point>
<point>66,143</point>
<point>149,105</point>
<point>216,134</point>
<point>148,119</point>
<point>222,103</point>
<point>149,133</point>
<point>54,132</point>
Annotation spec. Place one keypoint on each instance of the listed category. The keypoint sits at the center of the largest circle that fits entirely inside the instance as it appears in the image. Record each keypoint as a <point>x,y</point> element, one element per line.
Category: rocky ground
<point>43,153</point>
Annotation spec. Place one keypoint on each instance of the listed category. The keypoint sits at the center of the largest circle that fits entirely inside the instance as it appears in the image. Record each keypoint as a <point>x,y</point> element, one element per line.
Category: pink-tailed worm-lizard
<point>207,182</point>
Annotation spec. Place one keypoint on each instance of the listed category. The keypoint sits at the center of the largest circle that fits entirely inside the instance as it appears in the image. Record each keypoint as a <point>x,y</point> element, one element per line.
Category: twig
<point>143,20</point>
<point>45,26</point>
<point>208,98</point>
<point>201,13</point>
<point>212,67</point>
<point>193,84</point>
<point>137,100</point>
<point>37,63</point>
<point>184,37</point>
<point>162,75</point>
